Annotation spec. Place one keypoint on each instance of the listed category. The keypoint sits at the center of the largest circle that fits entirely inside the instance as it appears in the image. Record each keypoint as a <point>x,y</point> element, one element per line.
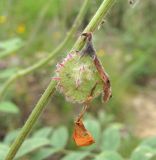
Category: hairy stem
<point>105,6</point>
<point>52,55</point>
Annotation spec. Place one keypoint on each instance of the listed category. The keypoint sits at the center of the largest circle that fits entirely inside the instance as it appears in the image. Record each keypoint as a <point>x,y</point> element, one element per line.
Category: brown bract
<point>89,50</point>
<point>81,135</point>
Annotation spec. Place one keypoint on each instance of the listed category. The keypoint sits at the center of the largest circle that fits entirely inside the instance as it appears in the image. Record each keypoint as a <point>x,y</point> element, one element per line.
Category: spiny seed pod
<point>77,76</point>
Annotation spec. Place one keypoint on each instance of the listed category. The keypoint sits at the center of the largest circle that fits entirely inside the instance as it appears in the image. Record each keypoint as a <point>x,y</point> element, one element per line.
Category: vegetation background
<point>124,128</point>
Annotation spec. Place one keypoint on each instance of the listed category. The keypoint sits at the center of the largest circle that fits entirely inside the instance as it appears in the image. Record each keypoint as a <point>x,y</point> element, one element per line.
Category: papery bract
<point>81,135</point>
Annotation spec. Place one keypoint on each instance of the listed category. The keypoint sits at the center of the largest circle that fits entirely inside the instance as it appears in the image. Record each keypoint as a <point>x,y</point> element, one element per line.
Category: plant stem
<point>105,6</point>
<point>52,55</point>
<point>95,22</point>
<point>31,120</point>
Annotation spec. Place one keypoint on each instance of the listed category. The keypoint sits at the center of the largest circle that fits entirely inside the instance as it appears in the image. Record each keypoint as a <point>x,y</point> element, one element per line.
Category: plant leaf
<point>151,142</point>
<point>44,153</point>
<point>109,155</point>
<point>8,107</point>
<point>30,145</point>
<point>76,156</point>
<point>43,132</point>
<point>143,153</point>
<point>3,150</point>
<point>5,73</point>
<point>11,136</point>
<point>111,138</point>
<point>59,137</point>
<point>94,128</point>
<point>10,46</point>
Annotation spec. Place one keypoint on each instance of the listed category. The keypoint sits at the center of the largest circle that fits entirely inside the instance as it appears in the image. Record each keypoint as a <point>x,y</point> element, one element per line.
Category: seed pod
<point>77,76</point>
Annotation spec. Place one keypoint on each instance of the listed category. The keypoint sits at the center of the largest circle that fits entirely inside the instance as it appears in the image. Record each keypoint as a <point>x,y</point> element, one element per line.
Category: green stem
<point>31,120</point>
<point>46,60</point>
<point>95,22</point>
<point>105,6</point>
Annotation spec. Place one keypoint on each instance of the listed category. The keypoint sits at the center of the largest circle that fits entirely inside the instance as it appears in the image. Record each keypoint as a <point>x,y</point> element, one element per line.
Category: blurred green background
<point>125,128</point>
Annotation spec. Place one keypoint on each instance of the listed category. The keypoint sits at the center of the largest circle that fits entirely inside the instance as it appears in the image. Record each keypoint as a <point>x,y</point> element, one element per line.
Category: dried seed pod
<point>79,72</point>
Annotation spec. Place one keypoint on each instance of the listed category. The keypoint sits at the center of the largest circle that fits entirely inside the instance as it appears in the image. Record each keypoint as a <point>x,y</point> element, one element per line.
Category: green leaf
<point>30,145</point>
<point>11,136</point>
<point>3,150</point>
<point>105,118</point>
<point>151,142</point>
<point>8,72</point>
<point>94,128</point>
<point>111,138</point>
<point>143,153</point>
<point>43,132</point>
<point>109,155</point>
<point>44,153</point>
<point>59,137</point>
<point>8,107</point>
<point>10,46</point>
<point>76,156</point>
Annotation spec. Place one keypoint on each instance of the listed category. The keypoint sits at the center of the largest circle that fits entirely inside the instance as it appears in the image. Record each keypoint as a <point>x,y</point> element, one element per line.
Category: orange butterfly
<point>81,136</point>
